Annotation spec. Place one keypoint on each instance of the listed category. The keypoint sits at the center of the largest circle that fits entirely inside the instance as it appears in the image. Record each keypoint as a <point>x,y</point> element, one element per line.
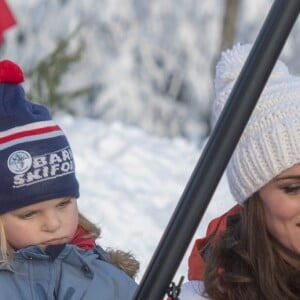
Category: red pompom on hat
<point>10,72</point>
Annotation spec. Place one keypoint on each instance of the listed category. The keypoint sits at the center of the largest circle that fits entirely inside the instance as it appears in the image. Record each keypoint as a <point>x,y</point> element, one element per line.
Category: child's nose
<point>51,222</point>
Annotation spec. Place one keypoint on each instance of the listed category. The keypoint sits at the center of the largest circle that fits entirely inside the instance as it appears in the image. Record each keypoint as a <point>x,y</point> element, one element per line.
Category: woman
<point>253,251</point>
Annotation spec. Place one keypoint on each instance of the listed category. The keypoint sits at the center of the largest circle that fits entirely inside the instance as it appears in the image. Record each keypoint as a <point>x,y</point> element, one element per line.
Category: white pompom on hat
<point>270,142</point>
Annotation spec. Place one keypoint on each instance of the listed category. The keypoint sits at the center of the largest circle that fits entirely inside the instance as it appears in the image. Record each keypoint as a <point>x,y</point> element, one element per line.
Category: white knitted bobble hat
<point>270,142</point>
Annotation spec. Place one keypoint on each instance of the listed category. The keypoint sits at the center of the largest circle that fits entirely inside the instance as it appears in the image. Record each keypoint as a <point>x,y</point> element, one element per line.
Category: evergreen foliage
<point>46,77</point>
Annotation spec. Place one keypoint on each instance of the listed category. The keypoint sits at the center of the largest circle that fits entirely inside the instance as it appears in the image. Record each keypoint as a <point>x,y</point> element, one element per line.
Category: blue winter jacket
<point>66,273</point>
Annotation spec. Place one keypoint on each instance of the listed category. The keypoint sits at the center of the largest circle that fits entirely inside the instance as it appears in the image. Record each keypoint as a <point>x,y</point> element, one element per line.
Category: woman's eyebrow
<point>287,177</point>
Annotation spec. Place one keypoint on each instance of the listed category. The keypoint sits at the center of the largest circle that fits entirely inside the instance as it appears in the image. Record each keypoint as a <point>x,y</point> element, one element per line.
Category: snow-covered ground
<point>131,182</point>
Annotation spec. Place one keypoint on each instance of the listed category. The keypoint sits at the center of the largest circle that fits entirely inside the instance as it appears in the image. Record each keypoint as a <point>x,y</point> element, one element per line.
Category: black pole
<point>218,150</point>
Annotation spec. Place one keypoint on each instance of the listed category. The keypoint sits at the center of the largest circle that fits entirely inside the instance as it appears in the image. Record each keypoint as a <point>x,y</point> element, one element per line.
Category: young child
<point>253,250</point>
<point>48,248</point>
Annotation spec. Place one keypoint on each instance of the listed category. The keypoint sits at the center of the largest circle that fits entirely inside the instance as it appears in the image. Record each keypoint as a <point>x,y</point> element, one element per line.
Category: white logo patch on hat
<point>30,170</point>
<point>19,162</point>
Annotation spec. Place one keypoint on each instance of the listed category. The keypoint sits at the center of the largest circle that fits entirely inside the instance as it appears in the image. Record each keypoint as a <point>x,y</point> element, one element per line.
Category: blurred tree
<point>229,24</point>
<point>45,78</point>
<point>228,32</point>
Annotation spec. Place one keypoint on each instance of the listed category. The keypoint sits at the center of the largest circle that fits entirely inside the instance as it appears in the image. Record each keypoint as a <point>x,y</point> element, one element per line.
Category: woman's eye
<point>291,189</point>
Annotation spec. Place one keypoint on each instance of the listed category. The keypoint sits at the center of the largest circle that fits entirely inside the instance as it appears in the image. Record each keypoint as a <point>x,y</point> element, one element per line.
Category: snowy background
<point>150,63</point>
<point>131,183</point>
<point>138,136</point>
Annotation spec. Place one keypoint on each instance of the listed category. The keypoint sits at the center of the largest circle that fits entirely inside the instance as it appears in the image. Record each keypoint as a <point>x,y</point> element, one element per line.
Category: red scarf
<point>82,240</point>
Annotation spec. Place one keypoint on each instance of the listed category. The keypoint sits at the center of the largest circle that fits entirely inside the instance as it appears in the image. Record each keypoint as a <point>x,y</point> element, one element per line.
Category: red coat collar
<point>196,261</point>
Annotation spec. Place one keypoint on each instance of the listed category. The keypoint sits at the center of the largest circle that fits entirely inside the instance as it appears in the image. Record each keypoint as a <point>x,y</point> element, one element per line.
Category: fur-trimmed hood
<point>124,261</point>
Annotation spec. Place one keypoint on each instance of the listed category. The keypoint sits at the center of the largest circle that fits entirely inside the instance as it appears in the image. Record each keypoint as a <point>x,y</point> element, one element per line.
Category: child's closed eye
<point>28,215</point>
<point>64,202</point>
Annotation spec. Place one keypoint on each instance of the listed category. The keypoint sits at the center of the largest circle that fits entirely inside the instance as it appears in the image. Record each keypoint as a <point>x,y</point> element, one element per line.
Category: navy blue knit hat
<point>36,161</point>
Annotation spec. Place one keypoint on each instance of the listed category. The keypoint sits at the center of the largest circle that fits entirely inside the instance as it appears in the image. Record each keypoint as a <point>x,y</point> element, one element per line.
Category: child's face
<point>281,201</point>
<point>45,223</point>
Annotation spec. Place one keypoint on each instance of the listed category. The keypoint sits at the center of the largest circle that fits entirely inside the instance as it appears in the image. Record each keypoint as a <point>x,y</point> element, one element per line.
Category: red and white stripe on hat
<point>28,133</point>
